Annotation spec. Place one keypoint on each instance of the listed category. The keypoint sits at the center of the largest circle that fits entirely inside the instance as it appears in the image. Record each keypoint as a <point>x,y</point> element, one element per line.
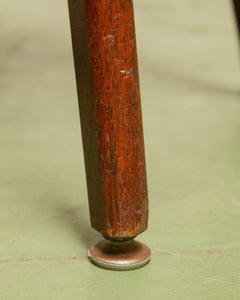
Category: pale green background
<point>189,69</point>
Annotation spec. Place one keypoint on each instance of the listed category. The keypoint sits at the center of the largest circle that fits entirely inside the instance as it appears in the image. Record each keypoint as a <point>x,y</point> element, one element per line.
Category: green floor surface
<point>190,81</point>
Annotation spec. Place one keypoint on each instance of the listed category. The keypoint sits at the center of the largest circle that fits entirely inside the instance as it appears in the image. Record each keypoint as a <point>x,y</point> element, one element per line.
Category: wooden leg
<point>236,6</point>
<point>106,67</point>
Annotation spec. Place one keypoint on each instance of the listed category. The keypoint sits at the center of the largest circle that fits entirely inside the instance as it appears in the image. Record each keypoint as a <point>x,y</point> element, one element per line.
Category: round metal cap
<point>119,255</point>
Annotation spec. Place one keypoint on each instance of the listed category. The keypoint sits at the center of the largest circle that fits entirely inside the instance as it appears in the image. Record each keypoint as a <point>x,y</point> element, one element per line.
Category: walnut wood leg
<point>106,67</point>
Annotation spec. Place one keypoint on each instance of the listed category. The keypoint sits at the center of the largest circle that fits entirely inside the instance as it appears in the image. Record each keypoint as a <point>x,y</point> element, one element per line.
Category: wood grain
<point>105,57</point>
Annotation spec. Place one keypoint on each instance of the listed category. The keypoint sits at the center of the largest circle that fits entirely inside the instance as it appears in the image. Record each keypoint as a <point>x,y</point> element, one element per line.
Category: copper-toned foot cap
<point>119,255</point>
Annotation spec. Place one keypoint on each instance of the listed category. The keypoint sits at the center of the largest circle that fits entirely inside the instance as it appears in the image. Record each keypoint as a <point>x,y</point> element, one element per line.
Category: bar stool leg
<point>106,67</point>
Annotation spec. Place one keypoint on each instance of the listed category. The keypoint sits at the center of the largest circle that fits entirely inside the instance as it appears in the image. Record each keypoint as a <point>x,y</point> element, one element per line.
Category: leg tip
<point>128,255</point>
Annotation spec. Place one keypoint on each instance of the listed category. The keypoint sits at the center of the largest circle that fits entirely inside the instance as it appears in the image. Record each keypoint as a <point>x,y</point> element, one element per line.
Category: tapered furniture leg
<point>106,67</point>
<point>236,6</point>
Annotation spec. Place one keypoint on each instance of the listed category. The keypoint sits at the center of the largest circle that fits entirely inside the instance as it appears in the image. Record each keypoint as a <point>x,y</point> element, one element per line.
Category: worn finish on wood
<point>105,56</point>
<point>236,6</point>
